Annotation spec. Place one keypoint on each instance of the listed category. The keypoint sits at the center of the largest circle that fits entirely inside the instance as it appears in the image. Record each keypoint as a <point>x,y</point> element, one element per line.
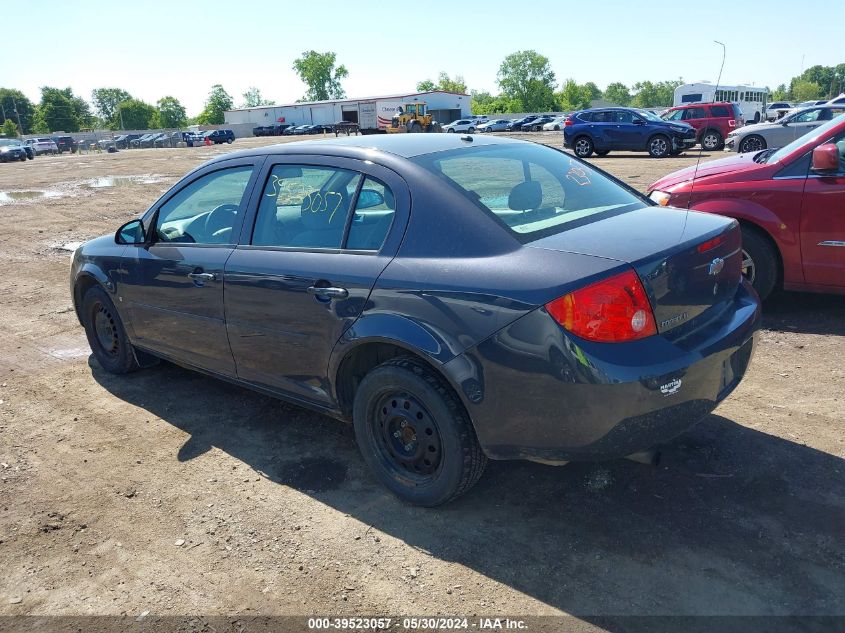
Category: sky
<point>154,48</point>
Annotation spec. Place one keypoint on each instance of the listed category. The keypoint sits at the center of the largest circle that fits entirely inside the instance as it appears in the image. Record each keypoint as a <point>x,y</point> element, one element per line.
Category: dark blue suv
<point>605,129</point>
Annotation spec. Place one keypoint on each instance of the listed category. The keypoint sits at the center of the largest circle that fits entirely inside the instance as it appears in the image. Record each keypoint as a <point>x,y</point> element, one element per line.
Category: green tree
<point>781,93</point>
<point>57,111</point>
<point>9,129</point>
<point>445,83</point>
<point>655,95</point>
<point>15,105</point>
<point>136,114</point>
<point>591,91</point>
<point>215,106</point>
<point>618,94</point>
<point>318,72</point>
<point>803,90</point>
<point>527,78</point>
<point>574,97</point>
<point>106,101</point>
<point>253,99</point>
<point>171,113</point>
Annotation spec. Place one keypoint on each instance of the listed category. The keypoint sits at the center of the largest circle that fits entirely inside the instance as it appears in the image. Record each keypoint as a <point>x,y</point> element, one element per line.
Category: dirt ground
<point>171,493</point>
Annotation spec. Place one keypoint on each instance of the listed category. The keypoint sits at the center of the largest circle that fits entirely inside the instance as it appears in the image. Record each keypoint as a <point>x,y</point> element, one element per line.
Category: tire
<point>450,130</point>
<point>106,334</point>
<point>756,117</point>
<point>583,147</point>
<point>414,128</point>
<point>759,262</point>
<point>471,130</point>
<point>659,146</point>
<point>230,140</point>
<point>557,128</point>
<point>603,152</point>
<point>712,140</point>
<point>752,143</point>
<point>398,403</point>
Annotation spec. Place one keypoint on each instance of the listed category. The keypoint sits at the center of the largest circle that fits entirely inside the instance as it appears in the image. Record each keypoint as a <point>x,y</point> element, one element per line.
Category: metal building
<point>370,113</point>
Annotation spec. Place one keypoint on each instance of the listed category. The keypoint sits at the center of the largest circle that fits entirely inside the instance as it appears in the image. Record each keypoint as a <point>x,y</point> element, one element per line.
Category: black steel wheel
<point>106,335</point>
<point>414,433</point>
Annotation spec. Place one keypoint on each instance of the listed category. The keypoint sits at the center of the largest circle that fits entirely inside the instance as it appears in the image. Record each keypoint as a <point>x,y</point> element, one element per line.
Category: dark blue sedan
<point>455,298</point>
<point>603,130</point>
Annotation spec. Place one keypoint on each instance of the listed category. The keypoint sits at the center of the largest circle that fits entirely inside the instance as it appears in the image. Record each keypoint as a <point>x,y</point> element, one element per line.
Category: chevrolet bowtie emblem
<point>716,266</point>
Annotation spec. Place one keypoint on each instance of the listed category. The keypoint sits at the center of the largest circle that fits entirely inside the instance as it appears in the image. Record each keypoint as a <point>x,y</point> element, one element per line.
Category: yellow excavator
<point>413,117</point>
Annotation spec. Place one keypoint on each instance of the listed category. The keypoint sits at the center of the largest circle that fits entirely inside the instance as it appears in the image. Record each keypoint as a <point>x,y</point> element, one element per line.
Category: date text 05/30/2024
<point>416,624</point>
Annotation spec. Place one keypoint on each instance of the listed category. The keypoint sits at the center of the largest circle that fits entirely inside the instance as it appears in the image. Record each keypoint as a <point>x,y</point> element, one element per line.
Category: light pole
<point>721,68</point>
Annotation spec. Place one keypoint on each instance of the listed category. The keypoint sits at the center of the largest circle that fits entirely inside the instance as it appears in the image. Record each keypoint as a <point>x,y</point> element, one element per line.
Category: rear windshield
<point>531,189</point>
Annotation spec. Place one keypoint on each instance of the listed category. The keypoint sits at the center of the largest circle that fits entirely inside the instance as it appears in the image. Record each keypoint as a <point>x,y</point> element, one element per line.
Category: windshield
<point>650,116</point>
<point>6,142</point>
<point>532,190</point>
<point>786,150</point>
<point>672,115</point>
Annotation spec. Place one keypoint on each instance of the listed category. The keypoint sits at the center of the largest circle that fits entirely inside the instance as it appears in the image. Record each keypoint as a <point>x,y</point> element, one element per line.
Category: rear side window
<point>719,111</point>
<point>531,190</point>
<point>305,207</point>
<point>587,117</point>
<point>373,215</point>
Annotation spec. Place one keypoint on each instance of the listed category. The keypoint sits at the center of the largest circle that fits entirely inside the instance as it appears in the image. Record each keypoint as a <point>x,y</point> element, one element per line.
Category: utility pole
<point>17,115</point>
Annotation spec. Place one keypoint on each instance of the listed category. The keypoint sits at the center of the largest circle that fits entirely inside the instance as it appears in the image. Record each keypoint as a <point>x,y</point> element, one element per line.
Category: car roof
<point>403,145</point>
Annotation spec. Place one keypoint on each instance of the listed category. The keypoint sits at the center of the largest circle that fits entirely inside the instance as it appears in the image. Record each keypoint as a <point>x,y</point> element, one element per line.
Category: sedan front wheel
<point>106,335</point>
<point>752,143</point>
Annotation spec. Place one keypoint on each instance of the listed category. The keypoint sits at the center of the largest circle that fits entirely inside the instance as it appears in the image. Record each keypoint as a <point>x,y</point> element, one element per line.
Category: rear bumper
<point>535,392</point>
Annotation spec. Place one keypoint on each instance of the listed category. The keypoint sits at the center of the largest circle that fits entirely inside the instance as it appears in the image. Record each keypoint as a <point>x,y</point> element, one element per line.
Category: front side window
<point>531,190</point>
<point>205,211</point>
<point>305,207</point>
<point>806,117</point>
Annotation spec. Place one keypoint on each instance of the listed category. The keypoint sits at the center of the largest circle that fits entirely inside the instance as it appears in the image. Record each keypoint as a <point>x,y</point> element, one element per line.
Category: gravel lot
<point>169,492</point>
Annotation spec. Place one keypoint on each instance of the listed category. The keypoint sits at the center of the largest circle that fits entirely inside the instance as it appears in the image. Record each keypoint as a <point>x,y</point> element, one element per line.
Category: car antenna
<point>700,146</point>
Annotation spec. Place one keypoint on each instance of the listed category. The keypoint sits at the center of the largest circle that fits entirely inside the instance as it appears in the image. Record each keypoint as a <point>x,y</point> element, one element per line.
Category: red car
<point>790,203</point>
<point>712,121</point>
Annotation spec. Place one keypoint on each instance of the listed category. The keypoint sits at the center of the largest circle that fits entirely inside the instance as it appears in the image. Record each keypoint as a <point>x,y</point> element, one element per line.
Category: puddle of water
<point>10,197</point>
<point>122,181</point>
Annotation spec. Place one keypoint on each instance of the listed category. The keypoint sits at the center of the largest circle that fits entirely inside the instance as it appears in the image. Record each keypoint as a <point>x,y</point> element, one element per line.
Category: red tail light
<point>731,123</point>
<point>568,121</point>
<point>609,311</point>
<point>709,245</point>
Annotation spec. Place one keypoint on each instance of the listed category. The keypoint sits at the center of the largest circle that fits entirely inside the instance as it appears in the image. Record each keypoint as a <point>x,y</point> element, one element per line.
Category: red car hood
<point>733,164</point>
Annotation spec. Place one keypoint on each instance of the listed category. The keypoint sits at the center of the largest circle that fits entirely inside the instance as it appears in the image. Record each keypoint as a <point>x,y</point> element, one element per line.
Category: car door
<point>797,126</point>
<point>600,126</point>
<point>622,131</point>
<point>321,232</point>
<point>173,285</point>
<point>823,225</point>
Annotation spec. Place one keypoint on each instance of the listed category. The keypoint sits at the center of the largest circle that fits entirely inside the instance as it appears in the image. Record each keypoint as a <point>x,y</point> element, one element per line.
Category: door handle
<point>329,292</point>
<point>202,276</point>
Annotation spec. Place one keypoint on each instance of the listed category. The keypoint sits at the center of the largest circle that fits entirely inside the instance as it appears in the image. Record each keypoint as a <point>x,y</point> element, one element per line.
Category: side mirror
<point>826,158</point>
<point>131,233</point>
<point>369,198</point>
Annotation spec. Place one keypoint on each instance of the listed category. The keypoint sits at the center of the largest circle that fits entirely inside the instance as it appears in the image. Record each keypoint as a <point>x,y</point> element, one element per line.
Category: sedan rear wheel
<point>583,147</point>
<point>752,143</point>
<point>414,433</point>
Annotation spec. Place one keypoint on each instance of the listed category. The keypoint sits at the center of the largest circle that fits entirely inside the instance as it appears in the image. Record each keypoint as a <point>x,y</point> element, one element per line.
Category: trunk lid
<point>688,262</point>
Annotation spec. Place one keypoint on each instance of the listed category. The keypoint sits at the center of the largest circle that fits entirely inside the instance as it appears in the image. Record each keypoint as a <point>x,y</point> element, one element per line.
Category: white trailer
<point>752,100</point>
